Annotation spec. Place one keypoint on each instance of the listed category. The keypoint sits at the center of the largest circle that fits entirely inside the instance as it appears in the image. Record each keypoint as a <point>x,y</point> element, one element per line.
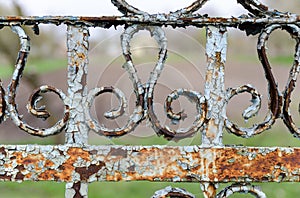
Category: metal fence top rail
<point>155,19</point>
<point>259,15</point>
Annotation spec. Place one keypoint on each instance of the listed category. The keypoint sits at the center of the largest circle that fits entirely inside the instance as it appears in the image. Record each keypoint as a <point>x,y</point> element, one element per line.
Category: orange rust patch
<point>64,172</point>
<point>49,163</point>
<point>78,152</point>
<point>81,55</point>
<point>211,127</point>
<point>218,60</point>
<point>257,167</point>
<point>32,159</point>
<point>209,75</point>
<point>116,177</point>
<point>173,170</point>
<point>28,176</point>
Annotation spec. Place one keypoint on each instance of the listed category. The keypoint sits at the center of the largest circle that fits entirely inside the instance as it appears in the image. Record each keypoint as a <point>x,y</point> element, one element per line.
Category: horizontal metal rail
<point>65,163</point>
<point>154,20</point>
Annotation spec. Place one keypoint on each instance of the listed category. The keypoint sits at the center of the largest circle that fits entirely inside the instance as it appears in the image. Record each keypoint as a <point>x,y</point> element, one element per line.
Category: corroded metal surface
<point>209,189</point>
<point>78,45</point>
<point>216,48</point>
<point>211,106</point>
<point>78,163</point>
<point>77,128</point>
<point>152,163</point>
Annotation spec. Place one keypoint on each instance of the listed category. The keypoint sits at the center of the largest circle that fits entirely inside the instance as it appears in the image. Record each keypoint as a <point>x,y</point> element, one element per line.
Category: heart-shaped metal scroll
<point>277,107</point>
<point>255,7</point>
<point>144,94</point>
<point>258,9</point>
<point>128,9</point>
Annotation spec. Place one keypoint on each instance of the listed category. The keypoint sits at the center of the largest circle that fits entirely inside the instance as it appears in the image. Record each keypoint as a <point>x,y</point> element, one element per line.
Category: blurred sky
<point>104,7</point>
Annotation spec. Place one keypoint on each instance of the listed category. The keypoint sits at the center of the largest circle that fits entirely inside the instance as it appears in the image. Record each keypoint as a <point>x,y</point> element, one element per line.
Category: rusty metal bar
<point>77,129</point>
<point>152,163</point>
<point>216,48</point>
<point>242,22</point>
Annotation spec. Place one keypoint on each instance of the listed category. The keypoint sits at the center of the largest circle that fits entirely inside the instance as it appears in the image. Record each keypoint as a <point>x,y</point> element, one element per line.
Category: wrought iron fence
<point>210,163</point>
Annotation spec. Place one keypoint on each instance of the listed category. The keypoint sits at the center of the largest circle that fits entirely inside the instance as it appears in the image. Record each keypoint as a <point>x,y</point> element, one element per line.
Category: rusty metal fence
<point>77,163</point>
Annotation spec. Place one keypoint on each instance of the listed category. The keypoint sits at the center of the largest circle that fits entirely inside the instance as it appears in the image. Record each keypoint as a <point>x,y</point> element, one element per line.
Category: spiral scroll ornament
<point>33,108</point>
<point>172,192</point>
<point>241,188</point>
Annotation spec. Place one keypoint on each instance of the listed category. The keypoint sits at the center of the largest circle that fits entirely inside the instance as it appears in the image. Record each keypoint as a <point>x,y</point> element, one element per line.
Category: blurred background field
<point>185,68</point>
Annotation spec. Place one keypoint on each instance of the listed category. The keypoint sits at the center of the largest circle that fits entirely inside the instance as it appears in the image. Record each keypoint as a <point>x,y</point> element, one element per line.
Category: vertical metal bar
<point>77,129</point>
<point>215,94</point>
<point>209,189</point>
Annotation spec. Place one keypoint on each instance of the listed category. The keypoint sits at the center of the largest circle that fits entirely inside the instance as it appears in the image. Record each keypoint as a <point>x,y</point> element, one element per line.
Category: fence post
<point>77,129</point>
<point>216,46</point>
<point>215,92</point>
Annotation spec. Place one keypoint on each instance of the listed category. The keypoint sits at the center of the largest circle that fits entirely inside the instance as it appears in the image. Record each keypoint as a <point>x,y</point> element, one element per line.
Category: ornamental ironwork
<point>77,163</point>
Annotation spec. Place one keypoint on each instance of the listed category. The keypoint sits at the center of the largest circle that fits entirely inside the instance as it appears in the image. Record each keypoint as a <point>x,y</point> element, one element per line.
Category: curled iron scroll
<point>172,192</point>
<point>138,113</point>
<point>241,188</point>
<point>248,113</point>
<point>258,9</point>
<point>275,99</point>
<point>181,133</point>
<point>133,121</point>
<point>126,8</point>
<point>34,109</point>
<point>144,94</point>
<point>255,7</point>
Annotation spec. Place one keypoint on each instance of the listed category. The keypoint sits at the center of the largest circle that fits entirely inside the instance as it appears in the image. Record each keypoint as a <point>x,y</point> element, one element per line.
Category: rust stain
<point>30,159</point>
<point>258,168</point>
<point>117,176</point>
<point>119,152</point>
<point>64,172</point>
<point>218,62</point>
<point>163,164</point>
<point>81,55</point>
<point>209,76</point>
<point>78,152</point>
<point>86,172</point>
<point>210,132</point>
<point>2,151</point>
<point>49,163</point>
